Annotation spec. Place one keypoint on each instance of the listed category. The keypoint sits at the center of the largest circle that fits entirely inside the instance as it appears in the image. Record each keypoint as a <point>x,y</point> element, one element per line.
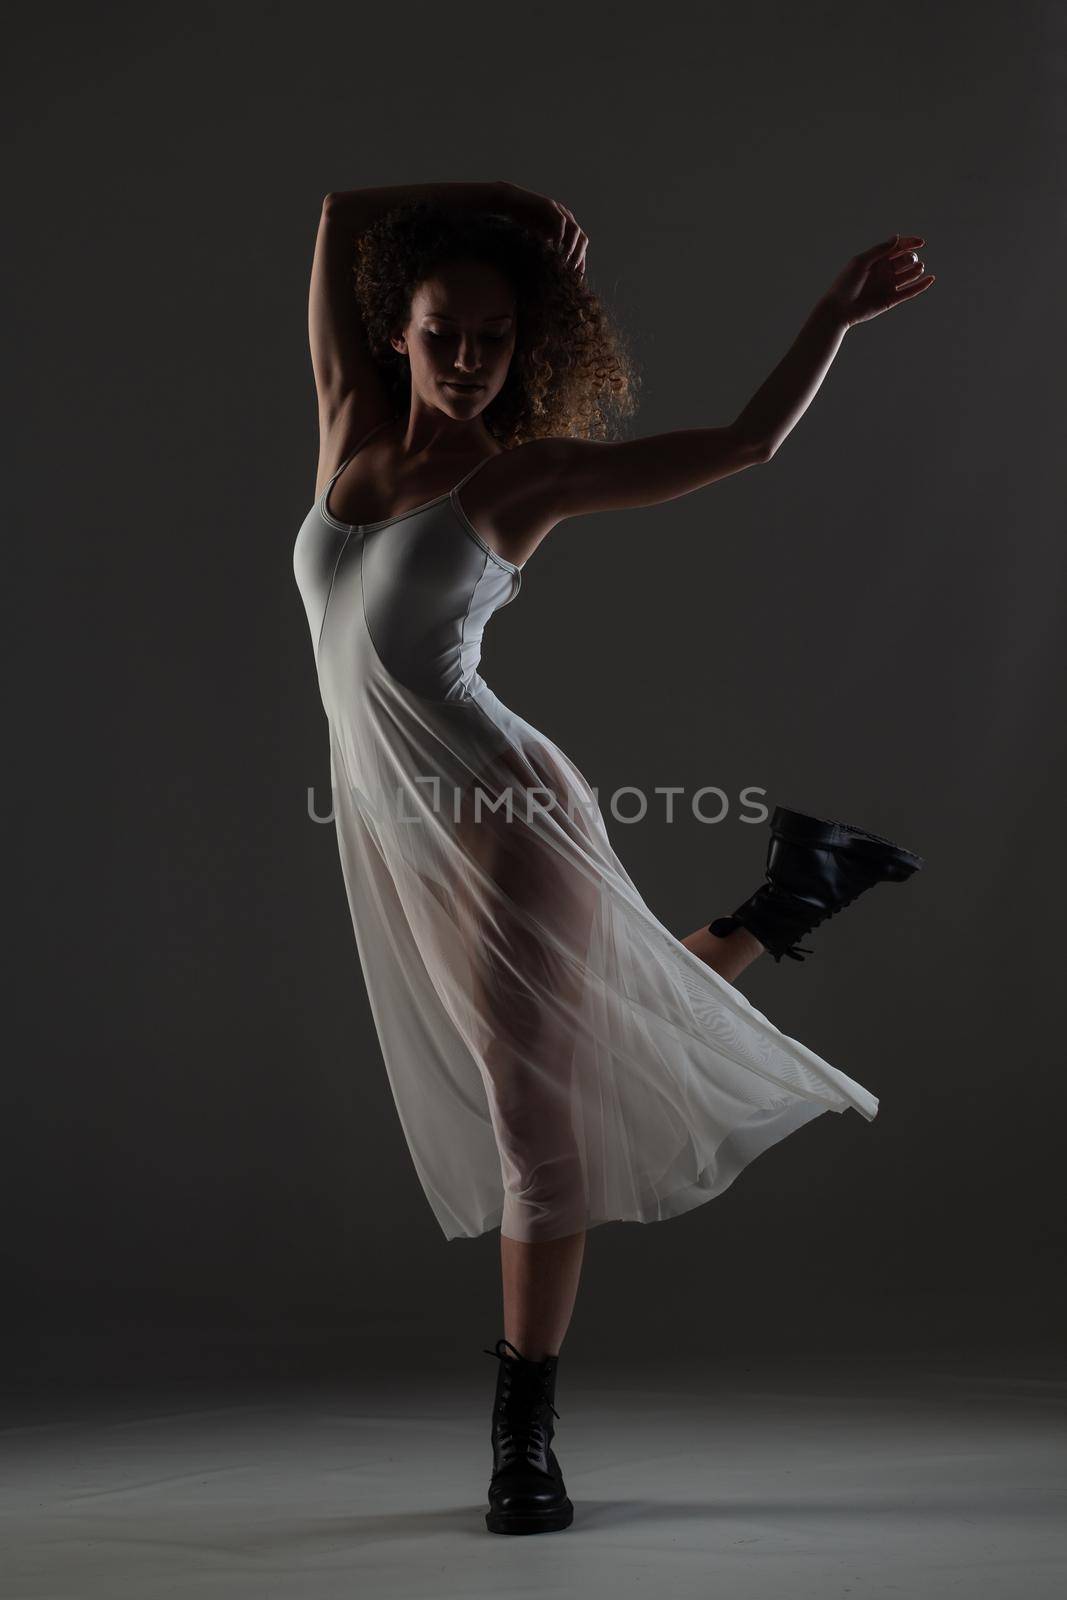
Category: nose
<point>468,359</point>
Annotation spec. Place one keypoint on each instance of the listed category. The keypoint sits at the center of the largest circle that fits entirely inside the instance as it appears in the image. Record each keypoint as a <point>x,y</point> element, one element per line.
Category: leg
<point>525,912</point>
<point>540,1283</point>
<point>730,956</point>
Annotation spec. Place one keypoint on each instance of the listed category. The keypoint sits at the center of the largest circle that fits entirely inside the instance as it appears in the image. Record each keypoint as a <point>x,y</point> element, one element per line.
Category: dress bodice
<point>420,586</point>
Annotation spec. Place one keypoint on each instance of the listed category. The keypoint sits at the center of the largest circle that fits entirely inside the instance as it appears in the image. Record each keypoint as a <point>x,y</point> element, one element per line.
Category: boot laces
<point>820,917</point>
<point>534,1394</point>
<point>808,912</point>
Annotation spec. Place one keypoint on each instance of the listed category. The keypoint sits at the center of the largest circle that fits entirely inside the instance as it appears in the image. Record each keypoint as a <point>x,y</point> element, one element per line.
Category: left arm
<point>582,475</point>
<point>570,477</point>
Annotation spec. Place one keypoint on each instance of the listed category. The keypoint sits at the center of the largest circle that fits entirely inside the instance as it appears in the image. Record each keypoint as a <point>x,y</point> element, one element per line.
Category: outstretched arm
<point>582,475</point>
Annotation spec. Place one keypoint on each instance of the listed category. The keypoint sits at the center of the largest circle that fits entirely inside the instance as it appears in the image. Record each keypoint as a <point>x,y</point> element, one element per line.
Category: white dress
<point>557,1056</point>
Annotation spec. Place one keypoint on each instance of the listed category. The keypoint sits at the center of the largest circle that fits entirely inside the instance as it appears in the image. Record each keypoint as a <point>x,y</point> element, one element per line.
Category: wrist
<point>829,315</point>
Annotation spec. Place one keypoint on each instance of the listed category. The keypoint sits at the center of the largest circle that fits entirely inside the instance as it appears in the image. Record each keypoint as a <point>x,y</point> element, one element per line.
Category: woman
<point>558,1058</point>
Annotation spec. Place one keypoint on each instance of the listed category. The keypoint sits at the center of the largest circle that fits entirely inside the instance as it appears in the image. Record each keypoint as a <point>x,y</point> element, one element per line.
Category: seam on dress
<point>468,527</point>
<point>466,619</point>
<point>329,593</point>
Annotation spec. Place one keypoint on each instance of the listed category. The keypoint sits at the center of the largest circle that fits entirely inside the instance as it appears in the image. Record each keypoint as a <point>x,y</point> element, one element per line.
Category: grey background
<point>203,1168</point>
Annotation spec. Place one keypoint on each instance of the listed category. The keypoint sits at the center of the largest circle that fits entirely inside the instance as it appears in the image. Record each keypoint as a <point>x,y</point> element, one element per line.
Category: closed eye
<point>493,338</point>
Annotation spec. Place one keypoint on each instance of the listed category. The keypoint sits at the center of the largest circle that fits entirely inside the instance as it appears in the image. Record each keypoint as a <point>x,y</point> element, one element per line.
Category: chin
<point>465,402</point>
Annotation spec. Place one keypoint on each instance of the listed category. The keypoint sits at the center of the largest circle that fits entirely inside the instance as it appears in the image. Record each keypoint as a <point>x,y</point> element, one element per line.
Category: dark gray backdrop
<point>202,1150</point>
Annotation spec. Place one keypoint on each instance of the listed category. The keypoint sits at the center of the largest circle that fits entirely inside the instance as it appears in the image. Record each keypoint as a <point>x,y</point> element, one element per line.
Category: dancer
<point>557,1056</point>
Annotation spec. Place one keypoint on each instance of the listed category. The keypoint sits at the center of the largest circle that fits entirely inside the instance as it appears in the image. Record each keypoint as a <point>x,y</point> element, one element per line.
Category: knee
<point>546,1199</point>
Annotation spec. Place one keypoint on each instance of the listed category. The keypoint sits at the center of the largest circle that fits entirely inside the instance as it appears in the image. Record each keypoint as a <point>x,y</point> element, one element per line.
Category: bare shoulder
<point>343,428</point>
<point>514,501</point>
<point>527,491</point>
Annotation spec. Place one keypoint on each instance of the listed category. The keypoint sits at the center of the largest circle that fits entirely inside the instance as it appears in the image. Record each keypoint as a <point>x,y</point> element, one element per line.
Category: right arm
<point>345,373</point>
<point>351,396</point>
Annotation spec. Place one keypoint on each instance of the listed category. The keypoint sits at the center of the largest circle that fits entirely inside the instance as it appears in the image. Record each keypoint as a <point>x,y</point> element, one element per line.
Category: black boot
<point>814,869</point>
<point>526,1492</point>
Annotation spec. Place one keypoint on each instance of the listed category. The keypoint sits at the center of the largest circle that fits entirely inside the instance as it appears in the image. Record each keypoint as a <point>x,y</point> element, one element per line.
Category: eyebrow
<point>442,316</point>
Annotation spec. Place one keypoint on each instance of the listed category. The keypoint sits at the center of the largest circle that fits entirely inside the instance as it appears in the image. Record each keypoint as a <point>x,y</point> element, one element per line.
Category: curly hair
<point>571,372</point>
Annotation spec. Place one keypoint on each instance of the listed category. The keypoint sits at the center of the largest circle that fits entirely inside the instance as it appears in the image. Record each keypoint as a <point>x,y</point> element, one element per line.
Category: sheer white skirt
<point>558,1058</point>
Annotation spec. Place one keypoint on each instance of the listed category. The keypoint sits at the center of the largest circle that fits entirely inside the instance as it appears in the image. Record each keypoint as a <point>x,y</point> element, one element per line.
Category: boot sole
<point>796,827</point>
<point>530,1521</point>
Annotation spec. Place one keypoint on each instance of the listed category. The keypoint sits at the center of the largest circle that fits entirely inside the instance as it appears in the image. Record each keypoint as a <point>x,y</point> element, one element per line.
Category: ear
<point>399,342</point>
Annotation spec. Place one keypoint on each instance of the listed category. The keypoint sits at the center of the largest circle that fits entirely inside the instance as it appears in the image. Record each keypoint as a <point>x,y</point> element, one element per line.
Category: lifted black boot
<point>526,1492</point>
<point>814,869</point>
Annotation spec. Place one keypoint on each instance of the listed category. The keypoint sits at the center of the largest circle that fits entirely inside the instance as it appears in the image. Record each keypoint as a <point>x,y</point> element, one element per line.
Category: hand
<point>878,279</point>
<point>549,219</point>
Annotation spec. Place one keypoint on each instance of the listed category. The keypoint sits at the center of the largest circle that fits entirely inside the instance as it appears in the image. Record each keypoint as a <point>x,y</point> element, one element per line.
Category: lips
<point>466,388</point>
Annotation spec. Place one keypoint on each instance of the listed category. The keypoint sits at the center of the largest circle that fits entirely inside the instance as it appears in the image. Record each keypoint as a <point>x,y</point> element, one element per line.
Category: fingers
<point>908,268</point>
<point>909,291</point>
<point>905,258</point>
<point>576,258</point>
<point>573,242</point>
<point>897,244</point>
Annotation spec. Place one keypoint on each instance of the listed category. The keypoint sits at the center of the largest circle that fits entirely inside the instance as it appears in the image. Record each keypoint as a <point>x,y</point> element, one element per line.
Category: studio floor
<point>755,1479</point>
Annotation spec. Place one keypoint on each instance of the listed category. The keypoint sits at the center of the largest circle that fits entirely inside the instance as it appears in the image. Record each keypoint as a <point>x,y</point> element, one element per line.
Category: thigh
<point>526,908</point>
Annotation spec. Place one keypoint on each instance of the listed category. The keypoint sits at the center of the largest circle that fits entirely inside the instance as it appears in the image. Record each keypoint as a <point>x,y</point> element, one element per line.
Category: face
<point>460,337</point>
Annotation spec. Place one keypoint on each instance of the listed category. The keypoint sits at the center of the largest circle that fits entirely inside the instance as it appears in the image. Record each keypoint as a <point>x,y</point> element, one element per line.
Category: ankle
<point>727,954</point>
<point>531,1350</point>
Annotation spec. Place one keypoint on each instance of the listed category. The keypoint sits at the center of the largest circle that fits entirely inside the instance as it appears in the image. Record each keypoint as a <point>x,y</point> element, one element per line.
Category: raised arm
<point>345,373</point>
<point>579,475</point>
<point>351,395</point>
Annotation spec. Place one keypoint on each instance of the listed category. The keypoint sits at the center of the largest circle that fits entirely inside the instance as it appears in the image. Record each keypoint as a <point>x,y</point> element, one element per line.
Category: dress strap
<point>355,451</point>
<point>478,465</point>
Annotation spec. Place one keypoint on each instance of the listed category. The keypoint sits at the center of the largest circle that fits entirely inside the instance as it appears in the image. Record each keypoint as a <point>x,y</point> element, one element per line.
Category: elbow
<point>754,452</point>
